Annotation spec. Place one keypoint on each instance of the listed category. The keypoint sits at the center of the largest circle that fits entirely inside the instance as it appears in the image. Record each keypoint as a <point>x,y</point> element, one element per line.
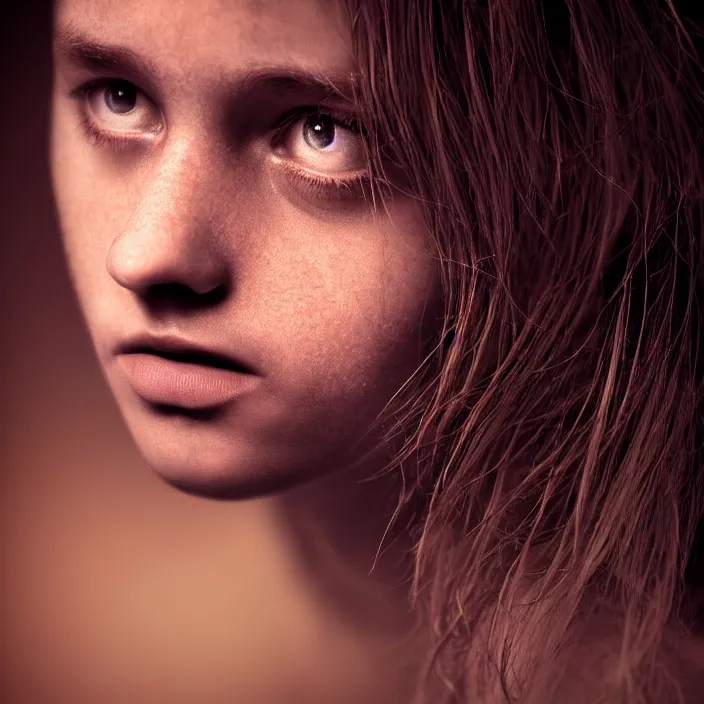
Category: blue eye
<point>116,111</point>
<point>325,143</point>
<point>120,97</point>
<point>319,131</point>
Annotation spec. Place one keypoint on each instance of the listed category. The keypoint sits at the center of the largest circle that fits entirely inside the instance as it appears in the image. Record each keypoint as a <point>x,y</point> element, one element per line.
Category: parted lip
<point>182,350</point>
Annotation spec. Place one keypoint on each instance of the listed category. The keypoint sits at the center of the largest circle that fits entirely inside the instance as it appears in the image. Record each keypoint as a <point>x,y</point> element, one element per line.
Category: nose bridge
<point>169,237</point>
<point>178,172</point>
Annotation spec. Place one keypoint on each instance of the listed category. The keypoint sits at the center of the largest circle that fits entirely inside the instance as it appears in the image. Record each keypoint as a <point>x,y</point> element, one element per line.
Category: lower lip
<point>167,382</point>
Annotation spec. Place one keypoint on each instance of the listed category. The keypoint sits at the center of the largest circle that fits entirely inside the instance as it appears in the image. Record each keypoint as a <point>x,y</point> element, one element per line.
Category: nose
<point>170,238</point>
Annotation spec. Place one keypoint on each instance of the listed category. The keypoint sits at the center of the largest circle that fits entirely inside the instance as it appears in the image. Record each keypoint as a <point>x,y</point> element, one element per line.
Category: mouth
<point>172,372</point>
<point>179,350</point>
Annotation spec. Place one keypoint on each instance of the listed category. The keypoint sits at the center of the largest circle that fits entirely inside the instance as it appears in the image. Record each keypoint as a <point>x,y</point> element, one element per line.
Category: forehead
<point>183,36</point>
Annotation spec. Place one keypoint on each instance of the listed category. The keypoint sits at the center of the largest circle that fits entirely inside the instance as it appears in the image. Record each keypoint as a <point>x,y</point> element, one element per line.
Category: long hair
<point>555,151</point>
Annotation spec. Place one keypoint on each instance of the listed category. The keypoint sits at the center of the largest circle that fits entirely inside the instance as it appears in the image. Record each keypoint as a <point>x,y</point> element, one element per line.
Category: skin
<point>198,226</point>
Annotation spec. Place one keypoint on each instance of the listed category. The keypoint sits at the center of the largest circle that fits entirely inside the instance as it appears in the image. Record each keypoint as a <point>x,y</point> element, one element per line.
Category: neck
<point>351,566</point>
<point>341,530</point>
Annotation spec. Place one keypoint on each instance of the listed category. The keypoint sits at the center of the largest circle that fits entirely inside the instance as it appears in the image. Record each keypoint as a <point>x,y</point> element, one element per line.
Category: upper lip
<point>182,350</point>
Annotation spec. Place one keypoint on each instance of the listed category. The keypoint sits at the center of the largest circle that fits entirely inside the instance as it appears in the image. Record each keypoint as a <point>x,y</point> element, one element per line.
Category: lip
<point>176,372</point>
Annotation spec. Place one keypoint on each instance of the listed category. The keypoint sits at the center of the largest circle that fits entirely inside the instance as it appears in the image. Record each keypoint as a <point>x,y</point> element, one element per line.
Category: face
<point>252,314</point>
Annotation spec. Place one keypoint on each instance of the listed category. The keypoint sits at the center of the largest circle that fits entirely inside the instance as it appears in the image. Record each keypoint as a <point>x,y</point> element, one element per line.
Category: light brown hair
<point>556,151</point>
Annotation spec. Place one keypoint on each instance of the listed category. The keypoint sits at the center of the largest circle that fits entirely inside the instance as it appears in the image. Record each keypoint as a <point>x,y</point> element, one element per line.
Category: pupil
<point>319,131</point>
<point>121,97</point>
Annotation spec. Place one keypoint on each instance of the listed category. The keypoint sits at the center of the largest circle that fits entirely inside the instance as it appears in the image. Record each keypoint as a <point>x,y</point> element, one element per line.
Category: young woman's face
<point>218,208</point>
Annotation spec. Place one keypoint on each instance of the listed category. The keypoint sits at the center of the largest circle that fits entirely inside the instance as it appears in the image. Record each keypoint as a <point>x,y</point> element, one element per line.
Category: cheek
<point>93,206</point>
<point>352,307</point>
<point>83,207</point>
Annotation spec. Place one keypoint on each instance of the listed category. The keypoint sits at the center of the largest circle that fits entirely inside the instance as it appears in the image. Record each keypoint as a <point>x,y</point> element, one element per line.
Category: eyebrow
<point>85,52</point>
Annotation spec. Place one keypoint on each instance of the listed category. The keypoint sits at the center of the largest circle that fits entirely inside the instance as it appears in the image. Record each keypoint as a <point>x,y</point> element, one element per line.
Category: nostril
<point>168,262</point>
<point>176,295</point>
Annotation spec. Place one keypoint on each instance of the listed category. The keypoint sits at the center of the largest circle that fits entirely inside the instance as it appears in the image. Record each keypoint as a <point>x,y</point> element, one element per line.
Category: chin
<point>228,457</point>
<point>226,478</point>
<point>230,488</point>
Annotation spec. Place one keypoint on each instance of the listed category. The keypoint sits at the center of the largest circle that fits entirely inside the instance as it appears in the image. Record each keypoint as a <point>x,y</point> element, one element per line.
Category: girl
<point>453,247</point>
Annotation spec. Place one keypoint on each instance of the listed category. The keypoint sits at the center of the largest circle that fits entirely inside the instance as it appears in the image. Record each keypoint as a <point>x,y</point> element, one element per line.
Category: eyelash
<point>98,138</point>
<point>336,187</point>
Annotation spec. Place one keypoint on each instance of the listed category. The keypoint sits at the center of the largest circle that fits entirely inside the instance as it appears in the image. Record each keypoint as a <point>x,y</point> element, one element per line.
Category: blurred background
<point>114,588</point>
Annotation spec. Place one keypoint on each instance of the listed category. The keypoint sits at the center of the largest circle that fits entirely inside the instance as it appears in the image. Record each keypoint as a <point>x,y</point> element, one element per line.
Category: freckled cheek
<point>76,194</point>
<point>86,234</point>
<point>87,209</point>
<point>351,332</point>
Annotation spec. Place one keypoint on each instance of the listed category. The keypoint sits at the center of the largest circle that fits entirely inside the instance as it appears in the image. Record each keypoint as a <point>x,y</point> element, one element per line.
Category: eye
<point>120,98</point>
<point>324,143</point>
<point>119,106</point>
<point>319,131</point>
